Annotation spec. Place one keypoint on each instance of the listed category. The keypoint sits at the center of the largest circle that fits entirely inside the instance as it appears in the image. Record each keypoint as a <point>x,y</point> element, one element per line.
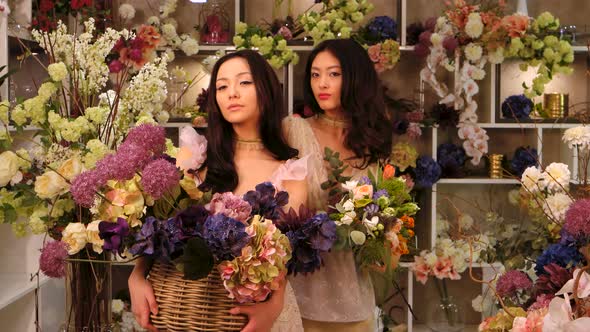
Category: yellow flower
<point>74,235</point>
<point>47,90</point>
<point>241,28</point>
<point>8,167</point>
<point>50,185</point>
<point>71,168</point>
<point>57,71</point>
<point>92,235</point>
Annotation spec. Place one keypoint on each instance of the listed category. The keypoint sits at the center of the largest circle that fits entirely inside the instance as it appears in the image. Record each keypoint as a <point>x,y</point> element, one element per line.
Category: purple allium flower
<point>524,157</point>
<point>264,202</point>
<point>511,282</point>
<point>380,193</point>
<point>230,205</point>
<point>53,259</point>
<point>553,279</point>
<point>517,107</point>
<point>577,220</point>
<point>225,236</point>
<point>150,137</point>
<point>113,234</point>
<point>159,177</point>
<point>427,172</point>
<point>84,187</point>
<point>450,43</point>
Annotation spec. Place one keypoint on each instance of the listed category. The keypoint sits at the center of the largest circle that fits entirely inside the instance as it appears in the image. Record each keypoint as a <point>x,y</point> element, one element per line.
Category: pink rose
<point>374,52</point>
<point>363,191</point>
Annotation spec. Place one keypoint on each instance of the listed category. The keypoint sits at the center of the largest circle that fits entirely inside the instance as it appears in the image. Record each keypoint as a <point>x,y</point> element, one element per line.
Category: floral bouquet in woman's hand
<point>373,215</point>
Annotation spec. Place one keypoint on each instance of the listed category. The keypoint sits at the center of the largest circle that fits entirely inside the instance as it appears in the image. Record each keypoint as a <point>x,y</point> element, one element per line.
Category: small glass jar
<point>445,316</point>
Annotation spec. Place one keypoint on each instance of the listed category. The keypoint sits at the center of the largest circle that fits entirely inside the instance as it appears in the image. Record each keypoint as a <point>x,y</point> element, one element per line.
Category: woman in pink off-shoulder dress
<point>245,147</point>
<point>342,89</point>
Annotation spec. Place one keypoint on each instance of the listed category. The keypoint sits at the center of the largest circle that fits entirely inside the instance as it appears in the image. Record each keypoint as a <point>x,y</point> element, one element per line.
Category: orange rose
<point>388,172</point>
<point>408,221</point>
<point>363,191</point>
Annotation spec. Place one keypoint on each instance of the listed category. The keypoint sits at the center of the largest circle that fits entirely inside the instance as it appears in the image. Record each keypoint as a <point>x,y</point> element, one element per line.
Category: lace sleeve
<point>292,169</point>
<point>301,137</point>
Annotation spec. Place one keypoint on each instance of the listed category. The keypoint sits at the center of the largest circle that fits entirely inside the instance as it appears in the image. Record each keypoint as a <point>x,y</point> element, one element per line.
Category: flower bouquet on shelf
<point>373,215</point>
<point>46,141</point>
<point>469,36</point>
<point>417,171</point>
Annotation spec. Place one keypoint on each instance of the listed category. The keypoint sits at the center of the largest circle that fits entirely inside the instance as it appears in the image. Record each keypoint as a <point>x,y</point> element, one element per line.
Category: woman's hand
<point>261,316</point>
<point>143,300</point>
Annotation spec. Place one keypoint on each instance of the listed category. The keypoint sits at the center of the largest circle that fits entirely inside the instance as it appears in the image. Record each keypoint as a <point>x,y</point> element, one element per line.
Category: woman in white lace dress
<point>245,147</point>
<point>342,88</point>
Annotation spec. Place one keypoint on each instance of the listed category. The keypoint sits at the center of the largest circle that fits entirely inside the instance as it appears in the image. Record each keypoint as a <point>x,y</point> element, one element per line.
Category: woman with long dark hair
<point>342,89</point>
<point>245,147</point>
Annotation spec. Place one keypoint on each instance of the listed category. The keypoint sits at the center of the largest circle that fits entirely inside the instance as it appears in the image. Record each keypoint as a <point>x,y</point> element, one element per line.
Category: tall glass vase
<point>88,293</point>
<point>445,316</point>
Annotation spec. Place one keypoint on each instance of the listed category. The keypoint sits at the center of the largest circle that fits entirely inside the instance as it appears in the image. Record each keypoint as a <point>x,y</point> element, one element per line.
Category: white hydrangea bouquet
<point>469,36</point>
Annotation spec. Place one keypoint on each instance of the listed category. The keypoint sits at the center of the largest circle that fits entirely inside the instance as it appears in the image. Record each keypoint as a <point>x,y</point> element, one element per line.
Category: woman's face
<point>236,92</point>
<point>326,81</point>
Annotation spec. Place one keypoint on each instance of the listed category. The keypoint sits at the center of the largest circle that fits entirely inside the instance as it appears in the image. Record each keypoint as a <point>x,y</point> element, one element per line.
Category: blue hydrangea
<point>427,172</point>
<point>225,236</point>
<point>315,236</point>
<point>561,254</point>
<point>517,107</point>
<point>524,157</point>
<point>381,28</point>
<point>451,158</point>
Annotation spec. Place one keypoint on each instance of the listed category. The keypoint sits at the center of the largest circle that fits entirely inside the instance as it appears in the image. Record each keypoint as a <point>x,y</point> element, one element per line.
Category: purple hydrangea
<point>517,107</point>
<point>524,157</point>
<point>159,177</point>
<point>577,220</point>
<point>315,236</point>
<point>512,282</point>
<point>560,254</point>
<point>113,234</point>
<point>154,239</point>
<point>427,172</point>
<point>52,261</point>
<point>230,205</point>
<point>225,236</point>
<point>191,221</point>
<point>451,158</point>
<point>264,202</point>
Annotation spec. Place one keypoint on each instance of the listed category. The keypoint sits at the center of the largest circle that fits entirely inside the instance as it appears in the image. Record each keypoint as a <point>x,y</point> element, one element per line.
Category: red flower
<point>79,4</point>
<point>46,5</point>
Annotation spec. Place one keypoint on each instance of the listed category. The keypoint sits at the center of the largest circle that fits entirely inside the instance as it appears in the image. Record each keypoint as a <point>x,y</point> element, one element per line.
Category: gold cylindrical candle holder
<point>496,166</point>
<point>556,105</point>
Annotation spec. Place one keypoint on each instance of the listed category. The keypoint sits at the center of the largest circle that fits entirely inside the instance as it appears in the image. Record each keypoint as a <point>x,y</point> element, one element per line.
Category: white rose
<point>50,185</point>
<point>531,179</point>
<point>93,237</point>
<point>117,306</point>
<point>348,206</point>
<point>74,235</point>
<point>8,167</point>
<point>474,25</point>
<point>556,177</point>
<point>71,168</point>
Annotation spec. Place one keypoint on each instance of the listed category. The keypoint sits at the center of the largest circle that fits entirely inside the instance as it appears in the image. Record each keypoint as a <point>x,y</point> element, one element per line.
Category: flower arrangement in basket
<point>374,215</point>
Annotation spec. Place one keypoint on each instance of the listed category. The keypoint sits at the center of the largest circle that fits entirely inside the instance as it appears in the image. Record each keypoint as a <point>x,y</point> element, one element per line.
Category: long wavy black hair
<point>370,134</point>
<point>221,170</point>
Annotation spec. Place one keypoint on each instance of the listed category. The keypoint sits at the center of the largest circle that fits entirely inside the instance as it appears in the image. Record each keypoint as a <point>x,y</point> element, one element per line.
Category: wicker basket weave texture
<point>192,305</point>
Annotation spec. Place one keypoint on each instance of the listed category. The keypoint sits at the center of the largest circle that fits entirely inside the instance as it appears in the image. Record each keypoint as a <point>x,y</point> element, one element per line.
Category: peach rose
<point>363,191</point>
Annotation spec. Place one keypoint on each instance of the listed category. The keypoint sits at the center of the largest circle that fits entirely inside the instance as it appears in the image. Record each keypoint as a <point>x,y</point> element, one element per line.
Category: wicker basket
<point>192,305</point>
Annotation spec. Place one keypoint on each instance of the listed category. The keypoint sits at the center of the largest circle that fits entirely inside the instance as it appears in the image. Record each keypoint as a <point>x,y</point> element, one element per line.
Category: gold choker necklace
<point>339,123</point>
<point>249,144</point>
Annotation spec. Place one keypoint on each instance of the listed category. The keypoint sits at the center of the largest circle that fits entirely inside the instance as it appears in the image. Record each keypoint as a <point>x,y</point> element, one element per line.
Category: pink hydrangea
<point>230,205</point>
<point>541,302</point>
<point>52,261</point>
<point>511,282</point>
<point>577,219</point>
<point>159,177</point>
<point>533,322</point>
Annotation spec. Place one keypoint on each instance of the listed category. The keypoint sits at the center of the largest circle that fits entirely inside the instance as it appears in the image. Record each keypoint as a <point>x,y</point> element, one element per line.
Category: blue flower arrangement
<point>517,107</point>
<point>561,254</point>
<point>379,29</point>
<point>524,157</point>
<point>451,158</point>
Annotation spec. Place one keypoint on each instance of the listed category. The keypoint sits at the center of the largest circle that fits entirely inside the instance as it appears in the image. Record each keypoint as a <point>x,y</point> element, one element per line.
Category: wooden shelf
<point>477,181</point>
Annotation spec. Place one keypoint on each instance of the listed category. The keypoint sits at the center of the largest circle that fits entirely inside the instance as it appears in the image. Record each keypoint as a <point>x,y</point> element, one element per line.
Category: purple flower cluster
<point>52,261</point>
<point>156,239</point>
<point>422,47</point>
<point>225,236</point>
<point>517,107</point>
<point>264,202</point>
<point>316,235</point>
<point>512,282</point>
<point>380,28</point>
<point>553,279</point>
<point>577,221</point>
<point>190,221</point>
<point>427,172</point>
<point>142,143</point>
<point>560,254</point>
<point>159,177</point>
<point>524,157</point>
<point>380,193</point>
<point>113,234</point>
<point>451,158</point>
